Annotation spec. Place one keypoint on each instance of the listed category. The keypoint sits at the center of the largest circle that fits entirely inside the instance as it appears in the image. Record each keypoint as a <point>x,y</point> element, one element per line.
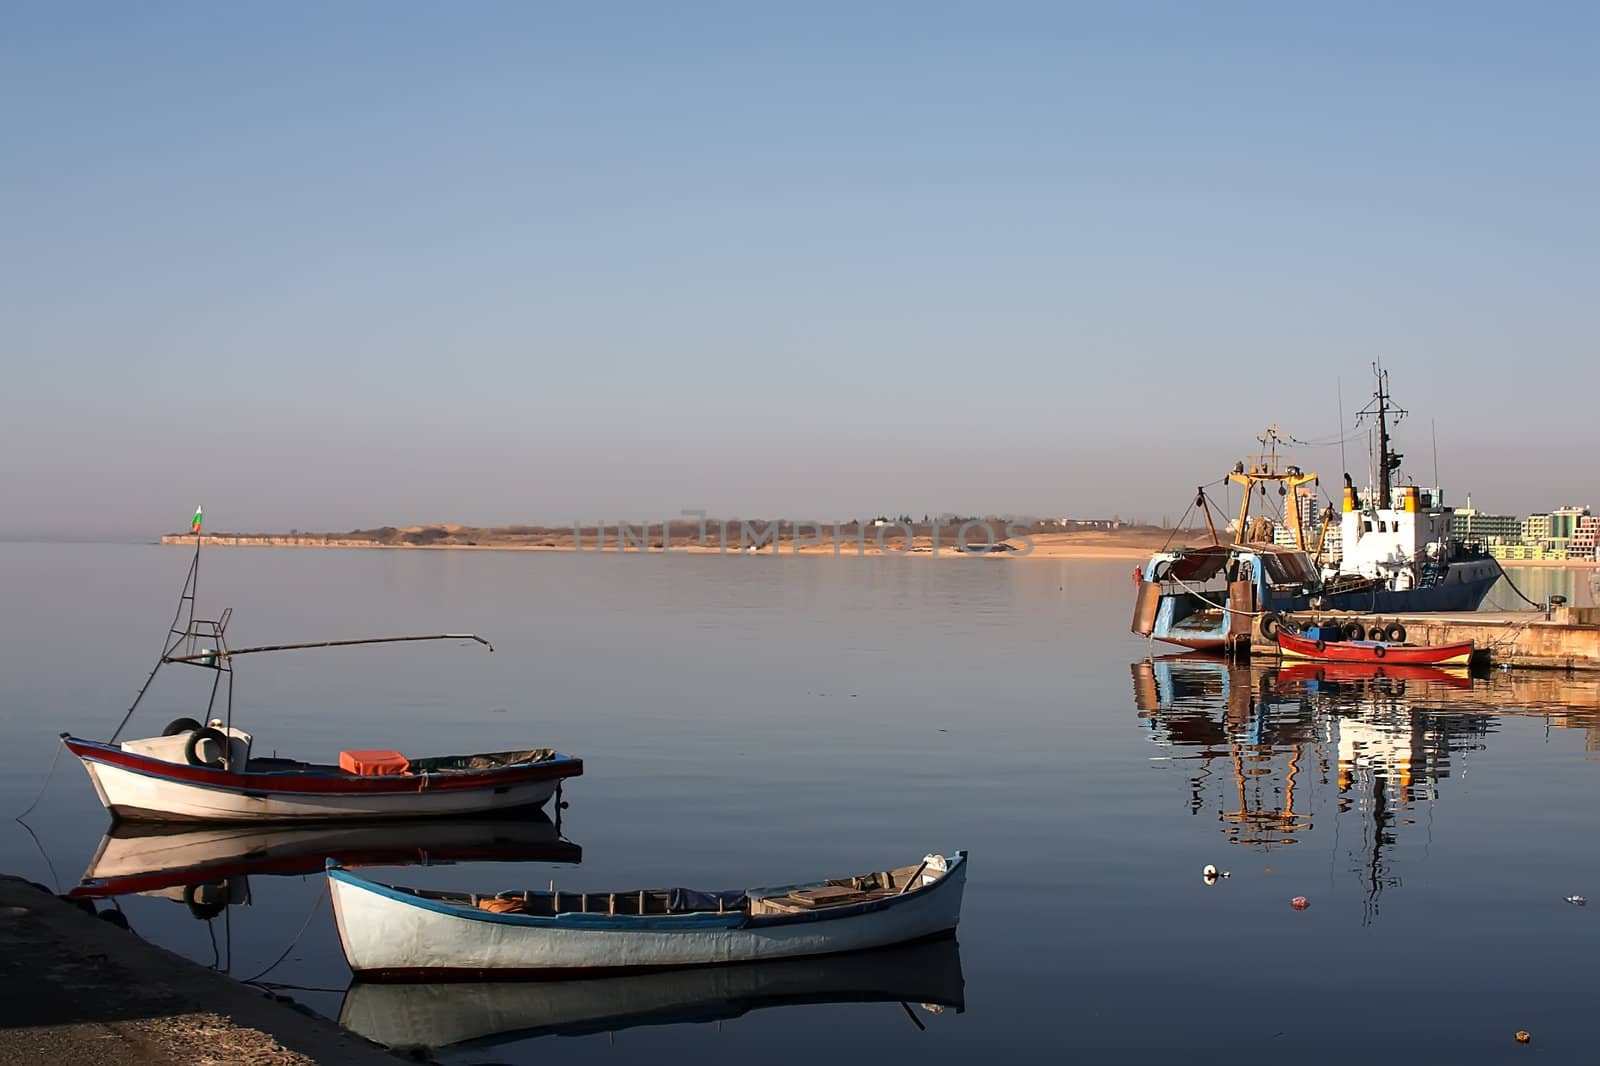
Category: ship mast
<point>1270,466</point>
<point>1381,407</point>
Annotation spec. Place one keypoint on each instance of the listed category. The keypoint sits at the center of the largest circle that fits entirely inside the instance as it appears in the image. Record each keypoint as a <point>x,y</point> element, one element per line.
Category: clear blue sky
<point>321,266</point>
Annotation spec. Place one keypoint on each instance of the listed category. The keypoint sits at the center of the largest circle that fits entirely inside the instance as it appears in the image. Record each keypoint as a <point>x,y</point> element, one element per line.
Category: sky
<point>327,266</point>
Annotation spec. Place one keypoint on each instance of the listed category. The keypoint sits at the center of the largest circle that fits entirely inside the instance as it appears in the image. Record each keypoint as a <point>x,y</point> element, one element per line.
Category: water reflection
<point>1264,739</point>
<point>209,869</point>
<point>442,1015</point>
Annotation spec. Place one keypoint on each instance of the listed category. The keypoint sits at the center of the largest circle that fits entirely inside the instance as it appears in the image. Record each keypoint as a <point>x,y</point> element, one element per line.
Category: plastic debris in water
<point>1523,1036</point>
<point>1299,903</point>
<point>1209,874</point>
<point>1576,901</point>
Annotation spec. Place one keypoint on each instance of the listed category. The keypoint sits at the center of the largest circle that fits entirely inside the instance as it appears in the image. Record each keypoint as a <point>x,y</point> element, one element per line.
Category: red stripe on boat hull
<point>323,784</point>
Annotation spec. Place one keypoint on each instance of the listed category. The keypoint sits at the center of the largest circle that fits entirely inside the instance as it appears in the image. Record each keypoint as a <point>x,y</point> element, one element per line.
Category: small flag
<point>194,527</point>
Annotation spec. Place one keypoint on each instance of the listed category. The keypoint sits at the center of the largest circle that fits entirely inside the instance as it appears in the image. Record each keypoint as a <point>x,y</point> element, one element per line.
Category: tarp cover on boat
<point>1195,564</point>
<point>689,899</point>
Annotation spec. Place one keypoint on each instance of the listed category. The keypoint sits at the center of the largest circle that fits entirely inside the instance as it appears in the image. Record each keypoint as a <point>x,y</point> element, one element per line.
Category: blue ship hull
<point>1454,596</point>
<point>1189,621</point>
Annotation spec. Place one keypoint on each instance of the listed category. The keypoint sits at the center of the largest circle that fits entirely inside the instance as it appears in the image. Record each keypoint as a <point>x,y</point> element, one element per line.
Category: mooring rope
<point>62,743</point>
<point>316,905</point>
<point>1197,594</point>
<point>1513,584</point>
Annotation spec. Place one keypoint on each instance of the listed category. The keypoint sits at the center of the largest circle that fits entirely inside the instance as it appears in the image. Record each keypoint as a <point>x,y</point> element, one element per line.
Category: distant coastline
<point>1129,542</point>
<point>1049,541</point>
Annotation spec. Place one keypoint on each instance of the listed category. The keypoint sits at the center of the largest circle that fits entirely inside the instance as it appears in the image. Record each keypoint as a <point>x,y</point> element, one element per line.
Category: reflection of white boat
<point>438,1015</point>
<point>158,859</point>
<point>390,932</point>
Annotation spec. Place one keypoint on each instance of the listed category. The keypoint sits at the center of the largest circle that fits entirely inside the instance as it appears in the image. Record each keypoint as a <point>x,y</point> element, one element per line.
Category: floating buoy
<point>1209,871</point>
<point>1523,1036</point>
<point>1299,903</point>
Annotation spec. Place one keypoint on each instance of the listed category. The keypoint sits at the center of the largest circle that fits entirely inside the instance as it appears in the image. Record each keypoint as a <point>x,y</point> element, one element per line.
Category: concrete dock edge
<point>78,989</point>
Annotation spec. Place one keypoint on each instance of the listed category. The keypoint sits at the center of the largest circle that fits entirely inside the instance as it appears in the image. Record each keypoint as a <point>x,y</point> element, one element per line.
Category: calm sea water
<point>758,721</point>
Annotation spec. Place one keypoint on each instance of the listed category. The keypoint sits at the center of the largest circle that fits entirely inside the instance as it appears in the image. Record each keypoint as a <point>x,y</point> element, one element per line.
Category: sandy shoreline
<point>1130,544</point>
<point>1095,546</point>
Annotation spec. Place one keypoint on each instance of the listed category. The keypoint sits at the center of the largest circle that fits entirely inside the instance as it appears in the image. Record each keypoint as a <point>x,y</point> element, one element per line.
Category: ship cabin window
<point>1366,527</point>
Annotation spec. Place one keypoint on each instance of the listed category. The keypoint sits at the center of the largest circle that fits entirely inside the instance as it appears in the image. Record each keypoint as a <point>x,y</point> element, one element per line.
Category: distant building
<point>1584,537</point>
<point>1564,521</point>
<point>1552,533</point>
<point>1527,553</point>
<point>1474,525</point>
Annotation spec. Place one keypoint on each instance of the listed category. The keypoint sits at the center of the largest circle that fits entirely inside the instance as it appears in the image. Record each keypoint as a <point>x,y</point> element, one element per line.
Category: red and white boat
<point>198,772</point>
<point>1297,646</point>
<point>137,786</point>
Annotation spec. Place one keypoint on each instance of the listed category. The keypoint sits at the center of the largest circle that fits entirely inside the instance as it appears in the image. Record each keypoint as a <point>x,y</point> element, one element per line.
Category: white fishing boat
<point>392,933</point>
<point>168,787</point>
<point>204,770</point>
<point>480,1014</point>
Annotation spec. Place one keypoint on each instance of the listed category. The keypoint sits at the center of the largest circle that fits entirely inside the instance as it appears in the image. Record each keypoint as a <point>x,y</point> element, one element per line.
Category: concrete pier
<point>77,989</point>
<point>1563,638</point>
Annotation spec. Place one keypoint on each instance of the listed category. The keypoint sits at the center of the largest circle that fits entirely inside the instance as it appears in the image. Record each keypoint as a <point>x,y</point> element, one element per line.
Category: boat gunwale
<point>317,783</point>
<point>691,921</point>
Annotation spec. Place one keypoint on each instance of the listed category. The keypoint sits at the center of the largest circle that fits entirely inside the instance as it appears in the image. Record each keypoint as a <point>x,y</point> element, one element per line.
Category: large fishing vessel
<point>1396,553</point>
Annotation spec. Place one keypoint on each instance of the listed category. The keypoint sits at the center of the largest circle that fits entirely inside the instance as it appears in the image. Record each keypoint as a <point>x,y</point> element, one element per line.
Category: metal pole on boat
<point>175,636</point>
<point>236,652</point>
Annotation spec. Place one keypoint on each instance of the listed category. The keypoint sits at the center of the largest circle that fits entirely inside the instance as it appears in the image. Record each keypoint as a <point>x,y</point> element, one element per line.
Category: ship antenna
<point>1381,409</point>
<point>1383,440</point>
<point>1343,464</point>
<point>1433,426</point>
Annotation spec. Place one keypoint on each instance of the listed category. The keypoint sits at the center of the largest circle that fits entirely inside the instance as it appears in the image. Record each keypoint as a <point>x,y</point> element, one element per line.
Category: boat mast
<point>1269,466</point>
<point>1380,408</point>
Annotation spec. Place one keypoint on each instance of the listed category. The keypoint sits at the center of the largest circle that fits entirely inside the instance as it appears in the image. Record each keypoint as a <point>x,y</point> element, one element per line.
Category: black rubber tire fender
<point>205,910</point>
<point>180,725</point>
<point>1271,625</point>
<point>1396,634</point>
<point>1322,645</point>
<point>1355,631</point>
<point>1379,651</point>
<point>191,750</point>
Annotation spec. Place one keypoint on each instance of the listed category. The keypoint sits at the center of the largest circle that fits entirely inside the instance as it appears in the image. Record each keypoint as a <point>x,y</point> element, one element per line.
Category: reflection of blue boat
<point>1397,554</point>
<point>440,1015</point>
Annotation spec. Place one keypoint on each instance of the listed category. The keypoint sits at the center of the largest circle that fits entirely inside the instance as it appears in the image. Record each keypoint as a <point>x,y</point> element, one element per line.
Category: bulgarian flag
<point>194,527</point>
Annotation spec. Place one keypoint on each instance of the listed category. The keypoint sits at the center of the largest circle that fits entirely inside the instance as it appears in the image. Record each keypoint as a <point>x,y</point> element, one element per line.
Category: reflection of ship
<point>1282,734</point>
<point>207,868</point>
<point>438,1015</point>
<point>1397,554</point>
